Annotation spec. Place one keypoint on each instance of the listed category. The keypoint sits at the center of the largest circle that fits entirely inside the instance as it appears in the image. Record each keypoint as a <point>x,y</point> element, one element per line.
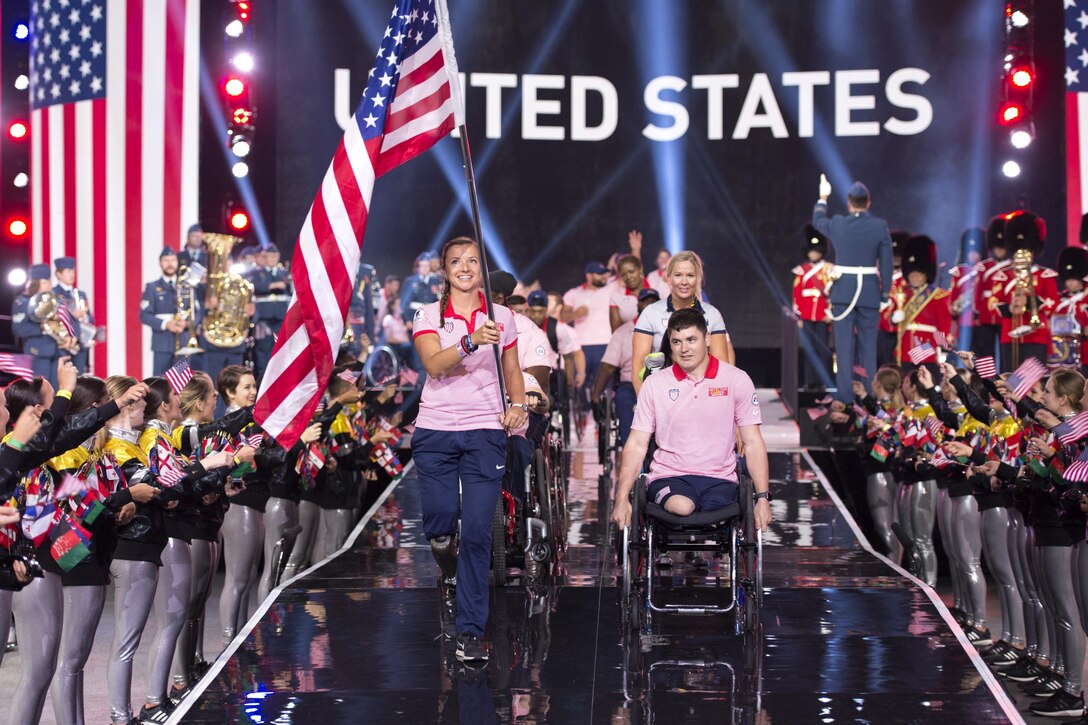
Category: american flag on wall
<point>411,101</point>
<point>1076,114</point>
<point>113,157</point>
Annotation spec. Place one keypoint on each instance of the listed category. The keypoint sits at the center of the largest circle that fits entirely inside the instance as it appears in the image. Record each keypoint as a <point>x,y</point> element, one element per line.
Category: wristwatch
<point>523,406</point>
<point>762,494</point>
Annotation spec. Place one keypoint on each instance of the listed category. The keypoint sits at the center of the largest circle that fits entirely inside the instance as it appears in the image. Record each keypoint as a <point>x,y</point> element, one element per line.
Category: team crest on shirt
<point>717,392</point>
<point>755,399</point>
<point>540,351</point>
<point>419,315</point>
<point>448,326</point>
<point>674,393</point>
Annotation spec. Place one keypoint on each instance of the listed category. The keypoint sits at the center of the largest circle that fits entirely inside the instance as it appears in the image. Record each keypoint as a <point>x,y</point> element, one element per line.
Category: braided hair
<point>455,242</point>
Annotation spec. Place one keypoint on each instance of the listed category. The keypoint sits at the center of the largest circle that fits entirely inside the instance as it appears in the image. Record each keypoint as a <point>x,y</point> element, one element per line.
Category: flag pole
<point>470,179</point>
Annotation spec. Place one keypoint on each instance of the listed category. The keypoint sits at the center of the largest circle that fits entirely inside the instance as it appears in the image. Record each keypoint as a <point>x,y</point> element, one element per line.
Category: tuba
<point>42,309</point>
<point>1022,261</point>
<point>226,323</point>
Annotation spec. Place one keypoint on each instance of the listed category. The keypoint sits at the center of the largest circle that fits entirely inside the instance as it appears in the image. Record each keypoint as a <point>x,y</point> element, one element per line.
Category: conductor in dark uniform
<point>861,280</point>
<point>42,348</point>
<point>159,308</point>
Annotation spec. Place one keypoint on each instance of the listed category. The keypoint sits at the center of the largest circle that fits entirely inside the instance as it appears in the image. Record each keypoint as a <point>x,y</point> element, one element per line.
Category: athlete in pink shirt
<point>459,445</point>
<point>623,304</point>
<point>698,397</point>
<point>617,356</point>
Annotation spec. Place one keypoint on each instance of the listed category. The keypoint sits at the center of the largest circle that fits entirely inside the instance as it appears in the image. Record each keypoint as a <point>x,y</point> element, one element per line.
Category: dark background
<point>744,201</point>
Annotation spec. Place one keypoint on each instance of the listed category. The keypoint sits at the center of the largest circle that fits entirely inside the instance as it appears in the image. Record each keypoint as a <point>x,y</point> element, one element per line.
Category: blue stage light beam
<point>490,147</point>
<point>662,54</point>
<point>217,113</point>
<point>543,254</point>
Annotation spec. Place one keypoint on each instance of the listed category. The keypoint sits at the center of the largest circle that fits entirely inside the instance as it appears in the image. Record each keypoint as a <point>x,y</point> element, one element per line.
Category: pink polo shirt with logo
<point>467,396</point>
<point>618,352</point>
<point>533,347</point>
<point>695,422</point>
<point>626,302</point>
<point>594,328</point>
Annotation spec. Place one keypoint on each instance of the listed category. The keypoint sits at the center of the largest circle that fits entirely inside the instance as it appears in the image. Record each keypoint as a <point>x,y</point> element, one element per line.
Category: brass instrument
<point>186,312</point>
<point>1022,261</point>
<point>42,309</point>
<point>226,323</point>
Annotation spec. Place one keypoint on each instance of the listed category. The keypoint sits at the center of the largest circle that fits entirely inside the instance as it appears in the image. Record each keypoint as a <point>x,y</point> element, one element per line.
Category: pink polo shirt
<point>618,352</point>
<point>467,396</point>
<point>626,301</point>
<point>658,282</point>
<point>533,347</point>
<point>594,328</point>
<point>695,422</point>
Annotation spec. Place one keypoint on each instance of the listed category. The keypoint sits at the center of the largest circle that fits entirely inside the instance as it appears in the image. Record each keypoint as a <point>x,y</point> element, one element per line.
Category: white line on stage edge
<point>221,661</point>
<point>996,689</point>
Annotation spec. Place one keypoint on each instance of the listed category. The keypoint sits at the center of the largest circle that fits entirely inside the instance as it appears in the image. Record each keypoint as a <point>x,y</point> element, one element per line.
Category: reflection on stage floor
<point>844,637</point>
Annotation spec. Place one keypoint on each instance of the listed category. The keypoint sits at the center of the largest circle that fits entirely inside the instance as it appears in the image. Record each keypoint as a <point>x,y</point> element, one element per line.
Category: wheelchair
<point>532,536</point>
<point>729,531</point>
<point>608,447</point>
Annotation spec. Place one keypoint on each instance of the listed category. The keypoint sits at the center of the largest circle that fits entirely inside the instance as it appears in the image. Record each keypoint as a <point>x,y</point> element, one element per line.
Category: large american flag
<point>412,99</point>
<point>113,157</point>
<point>1076,114</point>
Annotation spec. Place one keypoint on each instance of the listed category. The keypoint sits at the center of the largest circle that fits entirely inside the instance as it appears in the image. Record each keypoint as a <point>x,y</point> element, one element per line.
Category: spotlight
<point>22,82</point>
<point>22,31</point>
<point>1011,169</point>
<point>240,146</point>
<point>21,180</point>
<point>234,28</point>
<point>243,61</point>
<point>17,277</point>
<point>17,130</point>
<point>234,87</point>
<point>240,169</point>
<point>1020,138</point>
<point>239,221</point>
<point>1019,19</point>
<point>1011,113</point>
<point>17,227</point>
<point>242,116</point>
<point>1021,77</point>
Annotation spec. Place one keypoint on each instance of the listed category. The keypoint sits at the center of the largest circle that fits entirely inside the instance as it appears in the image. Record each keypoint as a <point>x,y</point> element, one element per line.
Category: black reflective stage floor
<point>845,638</point>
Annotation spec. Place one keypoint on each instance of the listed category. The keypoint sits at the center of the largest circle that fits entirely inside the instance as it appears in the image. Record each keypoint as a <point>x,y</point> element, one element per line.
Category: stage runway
<point>845,636</point>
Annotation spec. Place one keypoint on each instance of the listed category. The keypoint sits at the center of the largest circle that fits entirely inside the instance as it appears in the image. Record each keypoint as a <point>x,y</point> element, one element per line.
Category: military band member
<point>1024,298</point>
<point>987,332</point>
<point>422,288</point>
<point>963,278</point>
<point>887,337</point>
<point>926,314</point>
<point>1071,313</point>
<point>361,311</point>
<point>44,350</point>
<point>77,302</point>
<point>194,250</point>
<point>811,306</point>
<point>159,309</point>
<point>271,295</point>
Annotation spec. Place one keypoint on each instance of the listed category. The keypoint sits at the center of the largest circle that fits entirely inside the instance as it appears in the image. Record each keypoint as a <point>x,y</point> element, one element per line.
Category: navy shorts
<point>707,493</point>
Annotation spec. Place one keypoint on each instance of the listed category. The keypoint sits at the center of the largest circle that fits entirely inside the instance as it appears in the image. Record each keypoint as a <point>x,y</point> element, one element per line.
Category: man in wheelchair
<point>695,409</point>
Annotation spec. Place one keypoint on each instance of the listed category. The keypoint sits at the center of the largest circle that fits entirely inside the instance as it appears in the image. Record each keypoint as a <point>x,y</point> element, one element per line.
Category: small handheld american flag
<point>179,376</point>
<point>985,367</point>
<point>1072,430</point>
<point>1029,373</point>
<point>923,352</point>
<point>65,316</point>
<point>17,365</point>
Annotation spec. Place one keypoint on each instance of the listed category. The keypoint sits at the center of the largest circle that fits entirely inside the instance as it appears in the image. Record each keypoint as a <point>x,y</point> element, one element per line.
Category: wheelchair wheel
<point>749,577</point>
<point>498,544</point>
<point>542,492</point>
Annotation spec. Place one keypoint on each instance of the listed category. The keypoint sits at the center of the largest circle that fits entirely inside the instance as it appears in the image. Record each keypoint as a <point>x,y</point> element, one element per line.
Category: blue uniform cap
<point>859,190</point>
<point>195,228</point>
<point>537,298</point>
<point>167,252</point>
<point>39,271</point>
<point>596,268</point>
<point>647,293</point>
<point>64,263</point>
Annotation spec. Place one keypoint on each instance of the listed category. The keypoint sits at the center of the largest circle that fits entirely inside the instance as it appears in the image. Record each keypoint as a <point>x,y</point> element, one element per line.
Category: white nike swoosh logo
<point>499,468</point>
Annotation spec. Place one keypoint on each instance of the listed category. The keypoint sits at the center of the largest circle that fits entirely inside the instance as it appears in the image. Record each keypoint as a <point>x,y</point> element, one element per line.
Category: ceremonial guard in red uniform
<point>1067,324</point>
<point>987,332</point>
<point>888,335</point>
<point>811,307</point>
<point>1024,293</point>
<point>963,279</point>
<point>926,313</point>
